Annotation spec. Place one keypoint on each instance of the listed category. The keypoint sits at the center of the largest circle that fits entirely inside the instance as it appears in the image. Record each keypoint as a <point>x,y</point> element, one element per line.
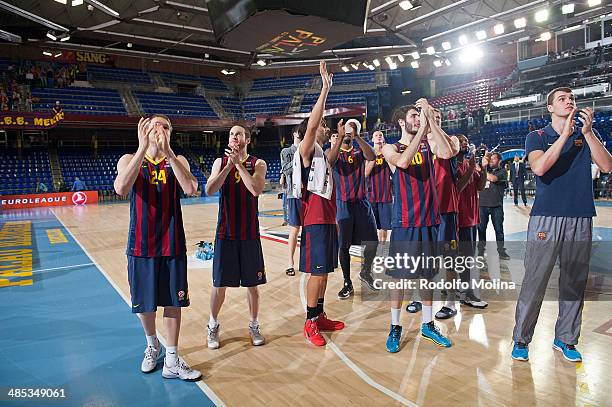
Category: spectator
<point>595,174</point>
<point>28,104</point>
<point>492,204</point>
<point>50,76</point>
<point>41,187</point>
<point>78,185</point>
<point>518,175</point>
<point>58,107</point>
<point>530,126</point>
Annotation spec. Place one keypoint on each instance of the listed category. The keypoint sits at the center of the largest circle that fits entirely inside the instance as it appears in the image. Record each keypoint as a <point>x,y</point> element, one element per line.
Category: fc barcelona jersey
<point>238,207</point>
<point>156,221</point>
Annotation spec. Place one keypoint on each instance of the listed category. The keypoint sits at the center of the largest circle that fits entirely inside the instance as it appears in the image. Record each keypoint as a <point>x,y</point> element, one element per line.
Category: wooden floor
<point>355,368</point>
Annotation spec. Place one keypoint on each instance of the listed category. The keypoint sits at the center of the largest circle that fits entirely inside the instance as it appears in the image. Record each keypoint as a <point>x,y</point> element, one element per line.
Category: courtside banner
<point>53,199</point>
<point>30,121</point>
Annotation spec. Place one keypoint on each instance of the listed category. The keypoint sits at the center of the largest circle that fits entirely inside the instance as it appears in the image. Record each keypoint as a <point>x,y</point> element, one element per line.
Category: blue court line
<point>72,330</point>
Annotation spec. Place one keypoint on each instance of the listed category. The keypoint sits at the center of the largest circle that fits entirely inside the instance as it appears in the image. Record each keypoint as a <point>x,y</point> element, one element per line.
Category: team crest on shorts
<point>541,235</point>
<point>181,295</point>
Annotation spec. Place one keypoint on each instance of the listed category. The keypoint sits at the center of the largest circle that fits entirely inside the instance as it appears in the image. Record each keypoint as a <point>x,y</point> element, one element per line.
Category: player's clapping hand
<point>586,118</point>
<point>232,154</point>
<point>144,131</point>
<point>568,127</point>
<point>486,159</point>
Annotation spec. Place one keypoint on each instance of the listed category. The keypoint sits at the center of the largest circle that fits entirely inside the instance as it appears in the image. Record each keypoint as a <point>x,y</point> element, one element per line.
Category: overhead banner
<point>73,57</point>
<point>79,198</point>
<point>30,121</point>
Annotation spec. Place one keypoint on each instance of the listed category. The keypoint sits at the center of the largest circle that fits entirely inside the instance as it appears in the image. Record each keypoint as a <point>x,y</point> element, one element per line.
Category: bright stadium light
<point>62,1</point>
<point>77,2</point>
<point>52,35</point>
<point>481,35</point>
<point>437,63</point>
<point>446,45</point>
<point>47,53</point>
<point>401,58</point>
<point>376,62</point>
<point>567,8</point>
<point>499,29</point>
<point>57,55</point>
<point>541,15</point>
<point>470,55</point>
<point>65,37</point>
<point>414,64</point>
<point>520,22</point>
<point>345,68</point>
<point>447,62</point>
<point>415,55</point>
<point>393,66</point>
<point>371,67</point>
<point>545,36</point>
<point>593,3</point>
<point>405,5</point>
<point>261,62</point>
<point>355,66</point>
<point>389,60</point>
<point>463,40</point>
<point>431,50</point>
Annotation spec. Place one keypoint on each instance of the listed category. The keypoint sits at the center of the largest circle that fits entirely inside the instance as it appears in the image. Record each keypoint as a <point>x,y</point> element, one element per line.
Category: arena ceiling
<point>181,30</point>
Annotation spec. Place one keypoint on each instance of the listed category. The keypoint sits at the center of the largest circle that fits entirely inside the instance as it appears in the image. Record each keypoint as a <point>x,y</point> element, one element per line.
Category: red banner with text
<point>30,121</point>
<point>79,198</point>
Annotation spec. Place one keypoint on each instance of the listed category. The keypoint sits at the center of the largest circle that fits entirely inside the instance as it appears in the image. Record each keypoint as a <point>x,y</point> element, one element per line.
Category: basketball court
<point>67,324</point>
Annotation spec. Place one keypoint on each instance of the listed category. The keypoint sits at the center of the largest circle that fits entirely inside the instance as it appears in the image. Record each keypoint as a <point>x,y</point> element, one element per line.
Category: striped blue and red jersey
<point>446,184</point>
<point>349,175</point>
<point>316,209</point>
<point>238,207</point>
<point>416,201</point>
<point>379,181</point>
<point>156,220</point>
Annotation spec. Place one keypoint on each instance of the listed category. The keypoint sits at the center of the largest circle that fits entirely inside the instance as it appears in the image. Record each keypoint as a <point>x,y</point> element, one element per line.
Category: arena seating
<point>284,82</point>
<point>110,74</point>
<point>79,100</point>
<point>171,78</point>
<point>97,173</point>
<point>354,77</point>
<point>335,99</point>
<point>21,174</point>
<point>174,105</point>
<point>231,106</point>
<point>272,105</point>
<point>480,95</point>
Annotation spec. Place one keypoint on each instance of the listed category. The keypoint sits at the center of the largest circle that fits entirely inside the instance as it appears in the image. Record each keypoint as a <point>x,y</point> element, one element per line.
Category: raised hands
<point>326,78</point>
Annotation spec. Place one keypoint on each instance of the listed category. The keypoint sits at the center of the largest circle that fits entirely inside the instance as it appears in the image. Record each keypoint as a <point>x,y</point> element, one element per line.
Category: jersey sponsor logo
<point>79,198</point>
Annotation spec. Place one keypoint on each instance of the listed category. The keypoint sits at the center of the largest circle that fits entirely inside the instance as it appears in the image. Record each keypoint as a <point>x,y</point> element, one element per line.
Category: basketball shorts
<point>416,247</point>
<point>448,234</point>
<point>319,249</point>
<point>356,223</point>
<point>157,282</point>
<point>382,214</point>
<point>295,212</point>
<point>238,263</point>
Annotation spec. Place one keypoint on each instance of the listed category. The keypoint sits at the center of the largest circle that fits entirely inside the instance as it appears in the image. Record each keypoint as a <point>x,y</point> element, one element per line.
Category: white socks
<point>212,322</point>
<point>152,341</point>
<point>171,355</point>
<point>395,316</point>
<point>427,314</point>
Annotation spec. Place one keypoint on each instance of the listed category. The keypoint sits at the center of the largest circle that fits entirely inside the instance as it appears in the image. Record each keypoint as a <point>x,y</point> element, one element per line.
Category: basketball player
<point>157,262</point>
<point>471,180</point>
<point>294,205</point>
<point>356,222</point>
<point>378,174</point>
<point>415,209</point>
<point>446,189</point>
<point>561,221</point>
<point>238,259</point>
<point>319,244</point>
